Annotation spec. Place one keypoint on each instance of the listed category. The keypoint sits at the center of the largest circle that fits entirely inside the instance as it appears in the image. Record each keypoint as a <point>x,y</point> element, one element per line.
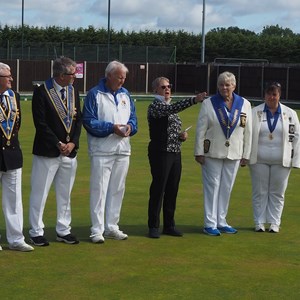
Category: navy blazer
<point>11,154</point>
<point>49,128</point>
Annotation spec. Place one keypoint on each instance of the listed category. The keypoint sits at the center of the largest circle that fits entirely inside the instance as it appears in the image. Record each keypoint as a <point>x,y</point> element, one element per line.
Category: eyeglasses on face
<point>70,74</point>
<point>169,86</point>
<point>6,76</point>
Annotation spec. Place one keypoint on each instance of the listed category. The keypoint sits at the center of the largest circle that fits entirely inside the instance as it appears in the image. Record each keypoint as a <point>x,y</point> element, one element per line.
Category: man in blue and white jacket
<point>109,118</point>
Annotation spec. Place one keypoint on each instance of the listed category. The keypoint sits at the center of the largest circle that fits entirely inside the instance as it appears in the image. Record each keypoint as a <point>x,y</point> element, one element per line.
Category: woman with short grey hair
<point>164,153</point>
<point>223,143</point>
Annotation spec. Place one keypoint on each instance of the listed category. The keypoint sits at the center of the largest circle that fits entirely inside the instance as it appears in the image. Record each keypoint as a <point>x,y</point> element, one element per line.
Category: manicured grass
<point>247,265</point>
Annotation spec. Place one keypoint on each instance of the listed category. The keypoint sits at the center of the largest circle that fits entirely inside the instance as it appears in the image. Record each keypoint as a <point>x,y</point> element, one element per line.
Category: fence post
<point>175,54</point>
<point>147,54</point>
<point>147,76</point>
<point>84,77</point>
<point>51,68</point>
<point>18,76</point>
<point>175,78</point>
<point>208,79</point>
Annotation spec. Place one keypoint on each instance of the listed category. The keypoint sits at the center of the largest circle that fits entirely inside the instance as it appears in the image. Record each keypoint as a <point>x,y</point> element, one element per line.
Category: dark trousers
<point>166,173</point>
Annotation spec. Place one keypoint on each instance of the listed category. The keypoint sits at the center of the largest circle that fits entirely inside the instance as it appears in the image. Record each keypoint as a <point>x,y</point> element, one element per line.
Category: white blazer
<point>290,127</point>
<point>209,133</point>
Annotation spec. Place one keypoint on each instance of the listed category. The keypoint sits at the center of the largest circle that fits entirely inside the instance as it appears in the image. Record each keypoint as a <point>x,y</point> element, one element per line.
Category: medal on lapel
<point>228,120</point>
<point>67,112</point>
<point>9,116</point>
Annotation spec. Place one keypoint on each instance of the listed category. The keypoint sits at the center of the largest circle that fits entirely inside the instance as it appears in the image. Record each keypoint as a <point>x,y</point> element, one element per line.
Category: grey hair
<point>3,67</point>
<point>62,65</point>
<point>226,77</point>
<point>115,65</point>
<point>156,82</point>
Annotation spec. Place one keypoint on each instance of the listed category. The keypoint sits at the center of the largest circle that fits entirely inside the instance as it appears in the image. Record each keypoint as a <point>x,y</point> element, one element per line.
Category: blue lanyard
<point>271,125</point>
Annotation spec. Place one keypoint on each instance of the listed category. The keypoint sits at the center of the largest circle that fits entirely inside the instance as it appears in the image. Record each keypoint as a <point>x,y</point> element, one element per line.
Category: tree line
<point>274,43</point>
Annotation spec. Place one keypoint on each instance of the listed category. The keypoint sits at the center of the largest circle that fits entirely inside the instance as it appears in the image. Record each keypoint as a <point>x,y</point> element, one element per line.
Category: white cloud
<point>154,14</point>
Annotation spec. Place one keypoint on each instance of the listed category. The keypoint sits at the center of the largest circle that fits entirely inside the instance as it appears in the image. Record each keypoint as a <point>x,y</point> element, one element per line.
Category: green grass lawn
<point>247,265</point>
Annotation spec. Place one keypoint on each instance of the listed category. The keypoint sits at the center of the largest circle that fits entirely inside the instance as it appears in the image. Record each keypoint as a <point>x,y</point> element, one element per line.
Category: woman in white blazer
<point>275,150</point>
<point>223,142</point>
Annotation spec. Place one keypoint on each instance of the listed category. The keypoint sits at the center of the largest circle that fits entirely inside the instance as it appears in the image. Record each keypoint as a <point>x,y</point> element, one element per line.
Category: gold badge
<point>243,118</point>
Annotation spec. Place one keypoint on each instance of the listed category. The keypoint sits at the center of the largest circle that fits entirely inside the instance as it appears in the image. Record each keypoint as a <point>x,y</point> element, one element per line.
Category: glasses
<point>6,76</point>
<point>169,86</point>
<point>70,74</point>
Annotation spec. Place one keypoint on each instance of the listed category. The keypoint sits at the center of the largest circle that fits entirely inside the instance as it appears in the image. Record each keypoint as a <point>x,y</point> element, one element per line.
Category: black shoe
<point>154,233</point>
<point>39,241</point>
<point>172,231</point>
<point>68,239</point>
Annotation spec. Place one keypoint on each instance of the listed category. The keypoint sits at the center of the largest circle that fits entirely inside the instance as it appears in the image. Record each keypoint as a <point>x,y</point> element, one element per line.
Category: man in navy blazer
<point>57,119</point>
<point>11,162</point>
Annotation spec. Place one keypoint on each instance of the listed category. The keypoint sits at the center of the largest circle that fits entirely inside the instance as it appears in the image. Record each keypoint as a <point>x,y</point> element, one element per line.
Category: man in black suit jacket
<point>11,162</point>
<point>57,119</point>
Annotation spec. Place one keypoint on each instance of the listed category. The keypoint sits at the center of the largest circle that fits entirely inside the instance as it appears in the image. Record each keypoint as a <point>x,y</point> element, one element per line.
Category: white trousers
<point>45,170</point>
<point>218,179</point>
<point>12,205</point>
<point>107,187</point>
<point>269,183</point>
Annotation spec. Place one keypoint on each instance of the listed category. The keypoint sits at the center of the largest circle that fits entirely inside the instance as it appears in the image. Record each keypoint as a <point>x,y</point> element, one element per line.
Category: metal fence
<point>186,78</point>
<point>89,52</point>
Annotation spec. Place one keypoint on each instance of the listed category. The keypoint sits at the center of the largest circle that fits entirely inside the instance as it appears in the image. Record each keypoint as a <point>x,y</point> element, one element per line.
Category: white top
<point>270,144</point>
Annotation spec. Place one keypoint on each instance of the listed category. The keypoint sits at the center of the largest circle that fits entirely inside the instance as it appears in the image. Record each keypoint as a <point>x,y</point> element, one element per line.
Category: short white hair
<point>115,65</point>
<point>4,67</point>
<point>226,77</point>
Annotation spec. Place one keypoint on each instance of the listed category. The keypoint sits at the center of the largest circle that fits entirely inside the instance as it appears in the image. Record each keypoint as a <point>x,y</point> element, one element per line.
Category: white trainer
<point>21,247</point>
<point>274,228</point>
<point>116,235</point>
<point>260,228</point>
<point>97,239</point>
<point>0,248</point>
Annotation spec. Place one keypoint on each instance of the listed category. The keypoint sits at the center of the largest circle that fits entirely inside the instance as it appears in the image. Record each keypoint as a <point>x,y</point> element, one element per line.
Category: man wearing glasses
<point>57,119</point>
<point>164,152</point>
<point>11,162</point>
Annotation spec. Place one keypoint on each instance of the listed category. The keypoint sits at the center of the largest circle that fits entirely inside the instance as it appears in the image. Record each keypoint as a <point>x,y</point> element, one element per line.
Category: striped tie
<point>3,102</point>
<point>63,96</point>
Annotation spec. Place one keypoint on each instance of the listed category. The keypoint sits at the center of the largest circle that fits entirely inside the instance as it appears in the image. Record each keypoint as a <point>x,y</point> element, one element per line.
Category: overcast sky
<point>136,15</point>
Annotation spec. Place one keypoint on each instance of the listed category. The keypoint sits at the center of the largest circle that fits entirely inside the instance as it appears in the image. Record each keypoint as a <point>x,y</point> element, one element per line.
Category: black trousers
<point>166,173</point>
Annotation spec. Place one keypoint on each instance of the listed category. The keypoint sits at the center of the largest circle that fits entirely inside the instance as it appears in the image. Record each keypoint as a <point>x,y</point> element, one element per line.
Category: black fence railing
<point>186,78</point>
<point>89,52</point>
